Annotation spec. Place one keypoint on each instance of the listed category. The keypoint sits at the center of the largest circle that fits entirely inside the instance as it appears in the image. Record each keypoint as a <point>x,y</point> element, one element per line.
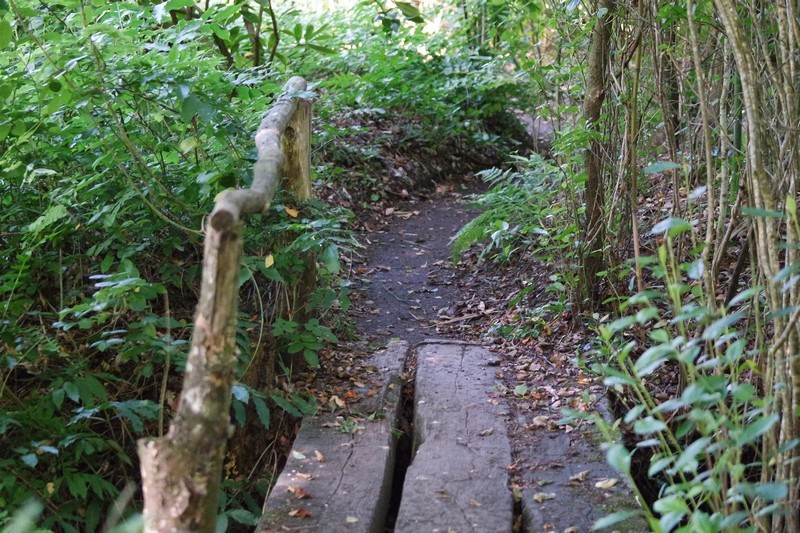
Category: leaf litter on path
<point>406,286</point>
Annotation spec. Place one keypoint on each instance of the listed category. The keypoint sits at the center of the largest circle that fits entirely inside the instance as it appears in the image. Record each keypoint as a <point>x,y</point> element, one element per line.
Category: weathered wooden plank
<point>458,480</point>
<point>349,490</point>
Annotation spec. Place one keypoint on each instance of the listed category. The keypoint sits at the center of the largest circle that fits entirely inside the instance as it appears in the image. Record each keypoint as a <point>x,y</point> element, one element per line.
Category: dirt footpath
<point>407,287</point>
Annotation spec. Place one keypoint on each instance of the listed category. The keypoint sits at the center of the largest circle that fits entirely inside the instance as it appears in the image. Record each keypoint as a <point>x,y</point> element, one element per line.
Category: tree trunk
<point>596,84</point>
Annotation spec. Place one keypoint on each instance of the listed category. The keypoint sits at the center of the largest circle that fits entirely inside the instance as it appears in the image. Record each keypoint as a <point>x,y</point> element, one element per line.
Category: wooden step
<point>458,478</point>
<point>336,480</point>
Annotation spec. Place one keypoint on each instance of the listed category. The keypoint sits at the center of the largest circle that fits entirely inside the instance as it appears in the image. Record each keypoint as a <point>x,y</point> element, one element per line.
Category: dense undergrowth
<point>693,322</point>
<point>122,122</point>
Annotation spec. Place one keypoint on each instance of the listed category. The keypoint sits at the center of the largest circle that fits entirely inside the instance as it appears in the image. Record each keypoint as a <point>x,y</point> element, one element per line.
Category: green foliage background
<point>121,122</point>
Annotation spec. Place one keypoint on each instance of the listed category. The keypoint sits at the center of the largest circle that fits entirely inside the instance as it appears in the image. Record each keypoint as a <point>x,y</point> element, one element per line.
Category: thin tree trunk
<point>596,85</point>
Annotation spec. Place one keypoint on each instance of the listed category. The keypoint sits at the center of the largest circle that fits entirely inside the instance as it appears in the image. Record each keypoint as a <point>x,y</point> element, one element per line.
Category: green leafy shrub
<point>701,448</point>
<point>121,125</point>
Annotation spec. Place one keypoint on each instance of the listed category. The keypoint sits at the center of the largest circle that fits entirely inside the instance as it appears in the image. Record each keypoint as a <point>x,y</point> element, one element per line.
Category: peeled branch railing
<point>181,471</point>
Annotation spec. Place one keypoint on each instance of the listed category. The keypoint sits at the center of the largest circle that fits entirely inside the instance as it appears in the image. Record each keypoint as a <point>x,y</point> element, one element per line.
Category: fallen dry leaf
<point>606,483</point>
<point>335,401</point>
<point>540,497</point>
<point>319,456</point>
<point>300,513</point>
<point>486,432</point>
<point>540,421</point>
<point>474,503</point>
<point>300,493</point>
<point>291,212</point>
<point>580,476</point>
<point>303,475</point>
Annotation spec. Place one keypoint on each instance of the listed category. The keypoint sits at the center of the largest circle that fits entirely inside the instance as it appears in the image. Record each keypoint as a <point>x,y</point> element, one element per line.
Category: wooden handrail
<point>257,198</point>
<point>181,471</point>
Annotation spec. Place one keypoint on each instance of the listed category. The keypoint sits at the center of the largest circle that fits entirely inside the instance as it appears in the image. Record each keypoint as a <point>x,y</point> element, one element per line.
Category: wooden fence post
<point>181,472</point>
<point>296,144</point>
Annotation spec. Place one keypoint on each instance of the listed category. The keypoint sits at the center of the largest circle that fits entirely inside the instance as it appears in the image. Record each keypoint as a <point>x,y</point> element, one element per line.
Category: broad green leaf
<point>696,269</point>
<point>58,397</point>
<point>243,516</point>
<point>30,459</point>
<point>691,456</point>
<point>239,413</point>
<point>720,326</point>
<point>652,358</point>
<point>241,393</point>
<point>745,295</point>
<point>614,518</point>
<point>178,4</point>
<point>189,107</point>
<point>648,425</point>
<point>659,465</point>
<point>754,430</point>
<point>771,491</point>
<point>619,458</point>
<point>330,257</point>
<point>791,204</point>
<point>76,483</point>
<point>671,504</point>
<point>409,11</point>
<point>188,144</point>
<point>673,225</point>
<point>262,411</point>
<point>281,402</point>
<point>761,213</point>
<point>130,415</point>
<point>6,34</point>
<point>53,214</point>
<point>660,166</point>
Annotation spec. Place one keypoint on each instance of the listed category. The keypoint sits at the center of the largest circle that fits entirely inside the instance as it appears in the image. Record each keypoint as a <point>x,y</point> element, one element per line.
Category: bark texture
<point>596,83</point>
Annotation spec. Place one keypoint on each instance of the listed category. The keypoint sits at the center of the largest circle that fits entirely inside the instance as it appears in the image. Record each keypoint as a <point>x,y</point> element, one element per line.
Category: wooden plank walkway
<point>338,481</point>
<point>458,478</point>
